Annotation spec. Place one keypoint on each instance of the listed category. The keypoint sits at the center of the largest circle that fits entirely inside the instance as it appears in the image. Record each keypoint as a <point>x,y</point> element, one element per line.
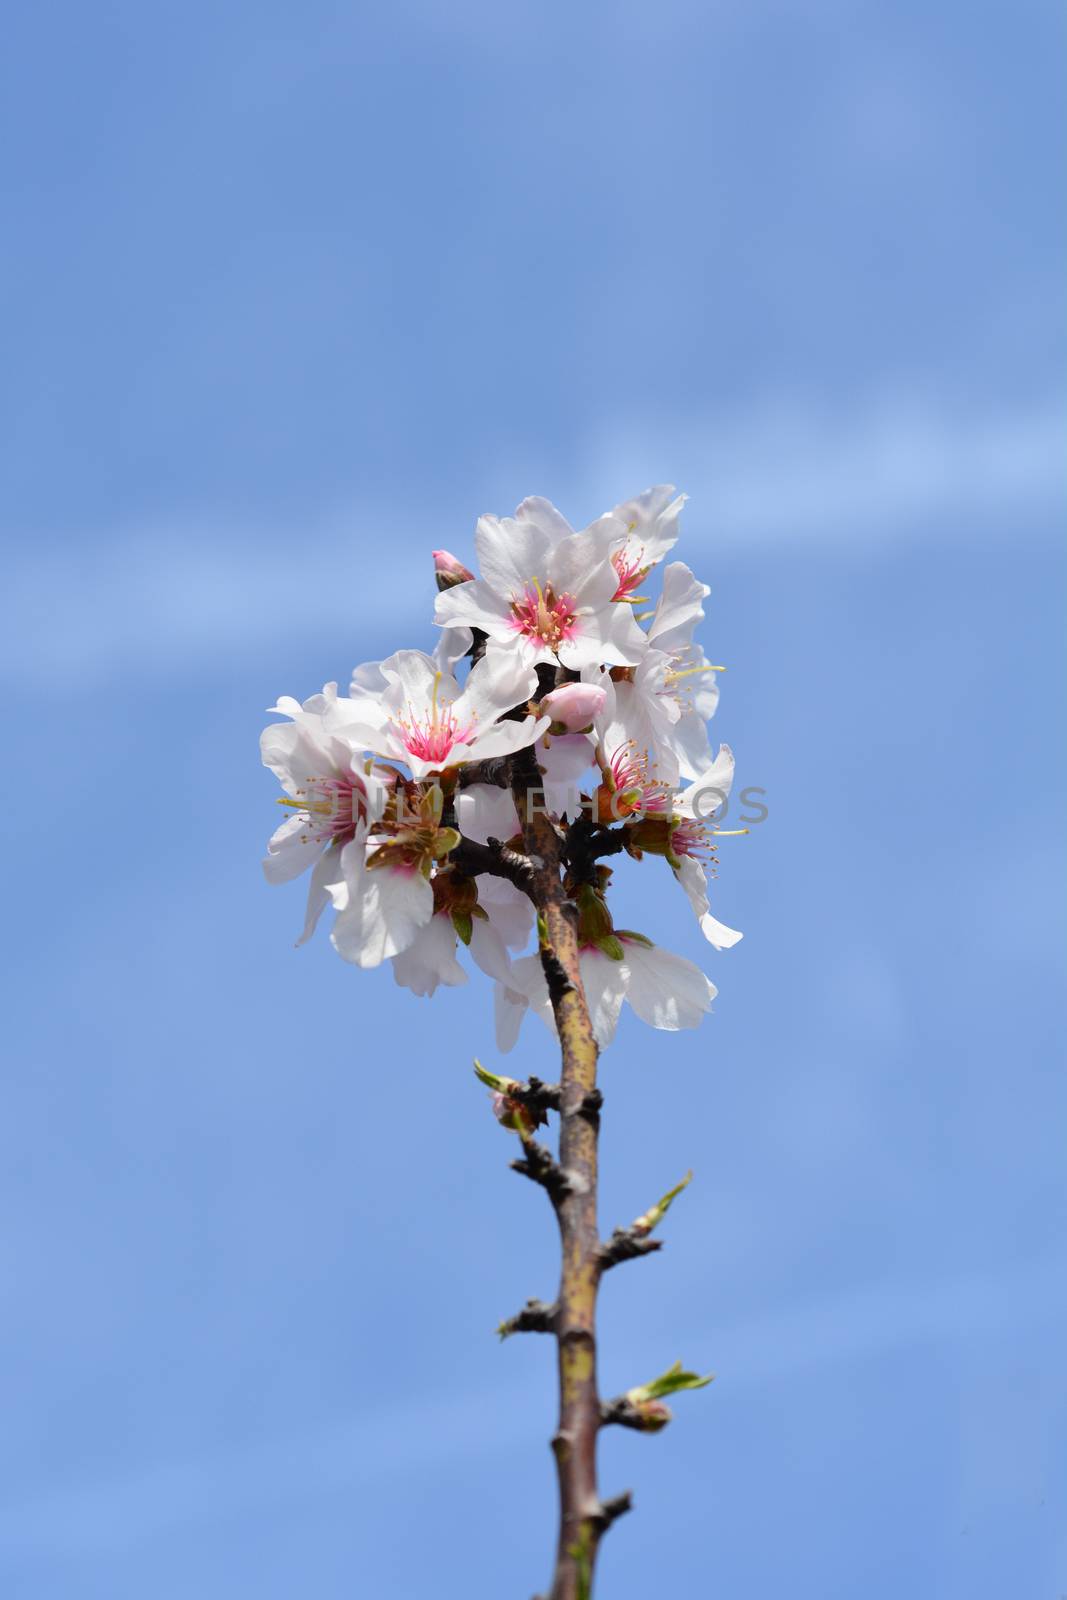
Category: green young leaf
<point>463,923</point>
<point>635,938</point>
<point>446,841</point>
<point>669,1382</point>
<point>610,946</point>
<point>432,803</point>
<point>655,1214</point>
<point>492,1080</point>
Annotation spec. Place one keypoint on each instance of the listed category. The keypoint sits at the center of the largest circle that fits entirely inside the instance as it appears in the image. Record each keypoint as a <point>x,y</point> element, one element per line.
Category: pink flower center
<point>432,738</point>
<point>543,616</point>
<point>630,572</point>
<point>690,838</point>
<point>635,788</point>
<point>332,807</point>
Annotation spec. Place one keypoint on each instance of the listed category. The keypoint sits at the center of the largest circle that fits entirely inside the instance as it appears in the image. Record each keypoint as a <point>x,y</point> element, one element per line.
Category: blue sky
<point>294,294</point>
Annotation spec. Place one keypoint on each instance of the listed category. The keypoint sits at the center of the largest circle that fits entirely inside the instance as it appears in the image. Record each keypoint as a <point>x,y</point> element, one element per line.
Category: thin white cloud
<point>854,1322</point>
<point>786,472</point>
<point>161,599</point>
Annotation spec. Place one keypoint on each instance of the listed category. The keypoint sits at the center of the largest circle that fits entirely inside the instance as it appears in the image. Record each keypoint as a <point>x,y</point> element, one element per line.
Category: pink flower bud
<point>515,1115</point>
<point>574,705</point>
<point>651,1415</point>
<point>448,570</point>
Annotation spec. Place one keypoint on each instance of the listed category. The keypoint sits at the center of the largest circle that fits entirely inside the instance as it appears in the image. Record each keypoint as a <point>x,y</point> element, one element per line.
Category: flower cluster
<point>400,799</point>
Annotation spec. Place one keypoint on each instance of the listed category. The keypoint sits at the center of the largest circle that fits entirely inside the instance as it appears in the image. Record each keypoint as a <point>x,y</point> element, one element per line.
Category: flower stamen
<point>631,575</point>
<point>433,738</point>
<point>543,616</point>
<point>332,807</point>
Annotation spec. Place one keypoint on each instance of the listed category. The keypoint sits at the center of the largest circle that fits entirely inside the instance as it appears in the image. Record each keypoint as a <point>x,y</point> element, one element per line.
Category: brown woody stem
<point>572,1186</point>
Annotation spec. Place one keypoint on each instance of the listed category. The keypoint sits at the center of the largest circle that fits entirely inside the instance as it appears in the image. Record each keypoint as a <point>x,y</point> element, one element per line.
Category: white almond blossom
<point>380,905</point>
<point>484,914</point>
<point>664,703</point>
<point>547,592</point>
<point>432,958</point>
<point>691,843</point>
<point>331,797</point>
<point>420,715</point>
<point>663,989</point>
<point>651,523</point>
<point>382,807</point>
<point>459,807</point>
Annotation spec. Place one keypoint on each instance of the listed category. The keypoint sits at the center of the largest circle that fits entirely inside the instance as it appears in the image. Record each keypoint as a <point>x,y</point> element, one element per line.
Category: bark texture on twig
<point>626,1245</point>
<point>494,858</point>
<point>535,1317</point>
<point>583,1517</point>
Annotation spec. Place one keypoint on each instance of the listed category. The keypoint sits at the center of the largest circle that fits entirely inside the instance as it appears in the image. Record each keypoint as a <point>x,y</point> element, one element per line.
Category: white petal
<point>512,551</point>
<point>367,679</point>
<point>510,911</point>
<point>430,959</point>
<point>474,605</point>
<point>688,740</point>
<point>680,607</point>
<point>605,983</point>
<point>693,879</point>
<point>394,903</point>
<point>484,812</point>
<point>608,636</point>
<point>528,977</point>
<point>502,739</point>
<point>327,870</point>
<point>452,646</point>
<point>509,1008</point>
<point>489,951</point>
<point>350,714</point>
<point>564,760</point>
<point>652,520</point>
<point>499,682</point>
<point>291,851</point>
<point>298,751</point>
<point>710,788</point>
<point>718,934</point>
<point>542,514</point>
<point>417,682</point>
<point>665,990</point>
<point>581,565</point>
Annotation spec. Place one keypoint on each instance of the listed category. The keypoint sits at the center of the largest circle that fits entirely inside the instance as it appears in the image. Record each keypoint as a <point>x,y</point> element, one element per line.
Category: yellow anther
<point>687,672</point>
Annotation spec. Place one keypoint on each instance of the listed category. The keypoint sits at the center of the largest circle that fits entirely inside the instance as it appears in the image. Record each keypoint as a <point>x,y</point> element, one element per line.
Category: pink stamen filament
<point>691,838</point>
<point>331,806</point>
<point>631,573</point>
<point>544,616</point>
<point>629,775</point>
<point>433,739</point>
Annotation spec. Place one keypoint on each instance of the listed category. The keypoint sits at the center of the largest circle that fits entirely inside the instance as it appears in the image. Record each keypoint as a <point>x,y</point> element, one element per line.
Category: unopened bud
<point>655,1214</point>
<point>574,705</point>
<point>509,1111</point>
<point>516,1115</point>
<point>449,570</point>
<point>651,1415</point>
